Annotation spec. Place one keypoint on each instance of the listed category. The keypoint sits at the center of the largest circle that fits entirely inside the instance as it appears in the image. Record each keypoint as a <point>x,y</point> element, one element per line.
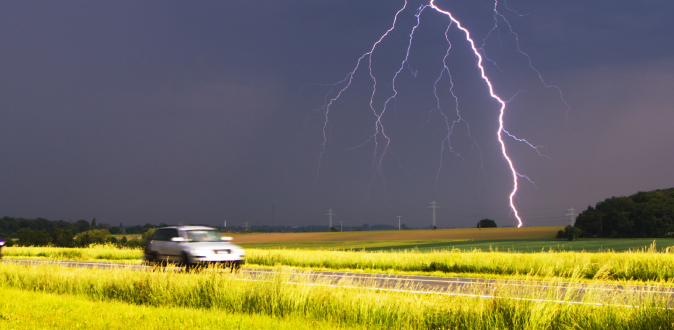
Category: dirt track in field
<point>439,234</point>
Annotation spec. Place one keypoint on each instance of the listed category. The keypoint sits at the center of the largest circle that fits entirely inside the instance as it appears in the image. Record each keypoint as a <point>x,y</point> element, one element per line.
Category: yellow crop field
<point>439,234</point>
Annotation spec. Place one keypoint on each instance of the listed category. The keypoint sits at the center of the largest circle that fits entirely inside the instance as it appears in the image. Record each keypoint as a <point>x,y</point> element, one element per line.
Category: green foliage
<point>334,229</point>
<point>486,223</point>
<point>29,237</point>
<point>644,214</point>
<point>146,236</point>
<point>115,230</point>
<point>94,236</point>
<point>571,233</point>
<point>61,237</point>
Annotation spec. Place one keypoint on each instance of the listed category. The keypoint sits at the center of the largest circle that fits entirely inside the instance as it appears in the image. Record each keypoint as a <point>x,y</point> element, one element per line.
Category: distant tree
<point>113,240</point>
<point>62,238</point>
<point>561,234</point>
<point>80,226</point>
<point>42,238</point>
<point>123,240</point>
<point>27,236</point>
<point>94,236</point>
<point>572,233</point>
<point>366,226</point>
<point>644,214</point>
<point>486,223</point>
<point>93,223</point>
<point>435,227</point>
<point>115,230</point>
<point>334,229</point>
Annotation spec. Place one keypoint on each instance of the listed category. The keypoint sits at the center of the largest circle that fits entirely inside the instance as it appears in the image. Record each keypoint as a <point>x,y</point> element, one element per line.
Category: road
<point>561,292</point>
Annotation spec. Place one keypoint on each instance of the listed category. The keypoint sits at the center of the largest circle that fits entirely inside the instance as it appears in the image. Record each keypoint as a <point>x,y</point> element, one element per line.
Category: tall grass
<point>94,252</point>
<point>282,297</point>
<point>644,264</point>
<point>21,309</point>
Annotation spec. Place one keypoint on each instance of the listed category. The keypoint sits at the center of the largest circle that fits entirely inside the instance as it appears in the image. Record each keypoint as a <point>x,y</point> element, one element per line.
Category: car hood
<point>211,245</point>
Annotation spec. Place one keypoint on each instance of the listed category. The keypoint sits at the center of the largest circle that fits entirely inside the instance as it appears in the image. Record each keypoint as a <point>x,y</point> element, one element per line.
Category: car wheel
<point>185,262</point>
<point>151,259</point>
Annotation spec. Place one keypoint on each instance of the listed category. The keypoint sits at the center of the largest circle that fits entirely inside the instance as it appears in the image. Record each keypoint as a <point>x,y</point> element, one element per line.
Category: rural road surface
<point>584,293</point>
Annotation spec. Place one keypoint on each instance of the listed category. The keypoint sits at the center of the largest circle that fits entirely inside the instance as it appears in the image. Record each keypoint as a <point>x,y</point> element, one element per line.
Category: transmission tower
<point>572,214</point>
<point>434,205</point>
<point>330,214</point>
<point>246,227</point>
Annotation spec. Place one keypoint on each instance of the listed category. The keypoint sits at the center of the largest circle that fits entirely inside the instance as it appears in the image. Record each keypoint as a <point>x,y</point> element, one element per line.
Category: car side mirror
<point>177,239</point>
<point>226,238</point>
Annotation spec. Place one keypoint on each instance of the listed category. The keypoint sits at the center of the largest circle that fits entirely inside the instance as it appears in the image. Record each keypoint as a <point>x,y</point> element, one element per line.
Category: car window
<point>171,233</point>
<point>203,235</point>
<point>161,235</point>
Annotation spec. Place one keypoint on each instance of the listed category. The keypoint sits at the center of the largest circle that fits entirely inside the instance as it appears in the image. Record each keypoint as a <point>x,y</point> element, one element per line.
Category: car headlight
<point>201,252</point>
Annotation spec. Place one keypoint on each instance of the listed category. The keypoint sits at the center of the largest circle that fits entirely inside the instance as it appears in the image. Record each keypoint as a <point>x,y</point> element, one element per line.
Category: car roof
<point>189,228</point>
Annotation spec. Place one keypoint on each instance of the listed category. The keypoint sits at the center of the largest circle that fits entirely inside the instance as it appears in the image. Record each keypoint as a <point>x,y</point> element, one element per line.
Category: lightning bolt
<point>382,142</point>
<point>501,112</point>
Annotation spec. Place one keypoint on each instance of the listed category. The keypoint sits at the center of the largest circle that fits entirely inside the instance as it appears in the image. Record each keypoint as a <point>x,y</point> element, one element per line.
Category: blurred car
<point>2,243</point>
<point>191,246</point>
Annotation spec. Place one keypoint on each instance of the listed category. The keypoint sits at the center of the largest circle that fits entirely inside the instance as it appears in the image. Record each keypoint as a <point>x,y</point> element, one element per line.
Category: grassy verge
<point>640,265</point>
<point>645,265</point>
<point>21,309</point>
<point>340,306</point>
<point>107,252</point>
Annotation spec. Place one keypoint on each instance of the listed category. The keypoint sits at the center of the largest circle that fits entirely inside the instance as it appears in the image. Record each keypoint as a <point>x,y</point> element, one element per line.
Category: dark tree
<point>27,236</point>
<point>486,223</point>
<point>80,226</point>
<point>644,214</point>
<point>62,238</point>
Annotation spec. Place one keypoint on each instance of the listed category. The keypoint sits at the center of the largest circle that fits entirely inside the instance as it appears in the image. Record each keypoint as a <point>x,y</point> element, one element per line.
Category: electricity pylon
<point>330,214</point>
<point>434,205</point>
<point>572,214</point>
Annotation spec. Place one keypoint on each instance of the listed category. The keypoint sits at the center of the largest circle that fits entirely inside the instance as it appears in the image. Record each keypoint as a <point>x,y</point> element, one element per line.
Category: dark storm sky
<point>194,111</point>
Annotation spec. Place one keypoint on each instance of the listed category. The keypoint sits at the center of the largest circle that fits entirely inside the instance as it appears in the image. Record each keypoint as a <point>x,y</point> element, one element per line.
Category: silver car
<point>191,246</point>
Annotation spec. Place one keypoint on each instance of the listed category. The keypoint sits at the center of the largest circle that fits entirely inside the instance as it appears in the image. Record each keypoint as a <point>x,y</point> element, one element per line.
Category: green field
<point>518,245</point>
<point>51,296</point>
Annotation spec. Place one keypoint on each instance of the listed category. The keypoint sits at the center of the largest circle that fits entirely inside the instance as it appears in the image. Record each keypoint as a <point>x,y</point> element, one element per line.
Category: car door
<point>158,244</point>
<point>172,249</point>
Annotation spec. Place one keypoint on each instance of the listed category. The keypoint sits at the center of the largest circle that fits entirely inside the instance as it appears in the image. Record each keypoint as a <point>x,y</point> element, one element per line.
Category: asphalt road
<point>562,292</point>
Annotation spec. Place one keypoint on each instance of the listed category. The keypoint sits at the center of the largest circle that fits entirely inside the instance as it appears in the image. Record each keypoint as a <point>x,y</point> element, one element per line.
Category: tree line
<point>644,214</point>
<point>82,233</point>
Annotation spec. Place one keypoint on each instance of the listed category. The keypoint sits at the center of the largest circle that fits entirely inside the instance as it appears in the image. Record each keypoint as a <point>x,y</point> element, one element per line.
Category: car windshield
<point>203,235</point>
